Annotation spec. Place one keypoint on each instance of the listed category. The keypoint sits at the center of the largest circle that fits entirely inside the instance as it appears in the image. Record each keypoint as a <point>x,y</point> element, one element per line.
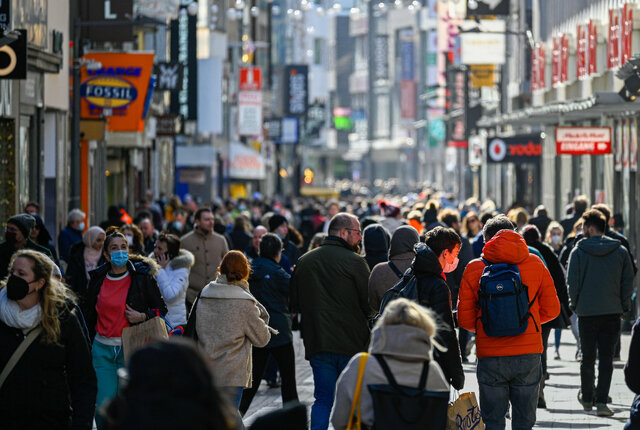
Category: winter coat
<point>632,377</point>
<point>542,222</point>
<point>383,278</point>
<point>173,282</point>
<point>559,281</point>
<point>269,284</point>
<point>143,296</point>
<point>405,349</point>
<point>507,246</point>
<point>477,244</point>
<point>433,293</point>
<point>600,277</point>
<point>229,321</point>
<point>375,240</point>
<point>53,386</point>
<point>329,287</point>
<point>208,251</point>
<point>76,275</point>
<point>240,238</point>
<point>7,250</point>
<point>66,239</point>
<point>291,251</point>
<point>150,243</point>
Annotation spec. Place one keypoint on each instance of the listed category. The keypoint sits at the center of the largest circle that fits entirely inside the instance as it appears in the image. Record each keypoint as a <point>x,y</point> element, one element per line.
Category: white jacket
<point>173,282</point>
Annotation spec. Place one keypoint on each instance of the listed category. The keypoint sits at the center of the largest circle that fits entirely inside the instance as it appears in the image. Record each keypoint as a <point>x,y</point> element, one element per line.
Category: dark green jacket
<point>330,289</point>
<point>600,277</point>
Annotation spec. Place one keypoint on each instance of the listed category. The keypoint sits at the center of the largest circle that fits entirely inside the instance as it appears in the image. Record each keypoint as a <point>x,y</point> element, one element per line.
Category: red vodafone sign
<point>250,79</point>
<point>583,140</point>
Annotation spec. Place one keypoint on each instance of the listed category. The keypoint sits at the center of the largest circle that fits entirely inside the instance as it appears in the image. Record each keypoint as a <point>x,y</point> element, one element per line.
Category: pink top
<point>112,304</point>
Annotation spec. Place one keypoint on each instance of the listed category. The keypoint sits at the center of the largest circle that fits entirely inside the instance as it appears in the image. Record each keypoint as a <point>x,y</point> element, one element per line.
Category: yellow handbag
<point>355,421</point>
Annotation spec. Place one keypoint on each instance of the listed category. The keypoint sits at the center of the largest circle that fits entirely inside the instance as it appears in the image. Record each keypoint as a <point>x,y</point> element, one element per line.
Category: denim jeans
<point>326,369</point>
<point>512,379</point>
<point>598,336</point>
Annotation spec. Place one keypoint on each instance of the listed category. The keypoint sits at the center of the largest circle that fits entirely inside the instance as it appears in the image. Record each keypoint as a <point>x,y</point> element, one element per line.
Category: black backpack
<point>407,408</point>
<point>406,287</point>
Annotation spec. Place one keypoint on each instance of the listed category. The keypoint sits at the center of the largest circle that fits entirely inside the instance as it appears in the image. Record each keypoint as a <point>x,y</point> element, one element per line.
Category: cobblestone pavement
<point>563,410</point>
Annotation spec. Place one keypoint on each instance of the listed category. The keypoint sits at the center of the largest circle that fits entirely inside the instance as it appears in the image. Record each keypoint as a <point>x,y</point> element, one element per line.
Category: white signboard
<point>483,43</point>
<point>249,113</point>
<point>477,145</point>
<point>245,162</point>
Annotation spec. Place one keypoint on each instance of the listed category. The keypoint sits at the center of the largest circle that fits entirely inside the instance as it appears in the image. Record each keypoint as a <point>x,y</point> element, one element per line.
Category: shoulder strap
<point>392,380</point>
<point>356,395</point>
<point>18,353</point>
<point>424,375</point>
<point>395,269</point>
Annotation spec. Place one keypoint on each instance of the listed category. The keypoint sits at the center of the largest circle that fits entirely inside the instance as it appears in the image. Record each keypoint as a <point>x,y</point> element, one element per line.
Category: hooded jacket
<point>401,254</point>
<point>507,246</point>
<point>173,282</point>
<point>405,349</point>
<point>433,293</point>
<point>375,240</point>
<point>269,284</point>
<point>229,320</point>
<point>600,277</point>
<point>143,296</point>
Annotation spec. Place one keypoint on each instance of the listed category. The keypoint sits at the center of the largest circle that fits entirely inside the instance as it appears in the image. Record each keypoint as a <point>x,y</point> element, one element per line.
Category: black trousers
<point>598,335</point>
<point>285,358</point>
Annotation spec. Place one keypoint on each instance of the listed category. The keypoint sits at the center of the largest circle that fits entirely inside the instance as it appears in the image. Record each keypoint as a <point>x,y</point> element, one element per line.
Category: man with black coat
<point>279,225</point>
<point>17,236</point>
<point>580,204</point>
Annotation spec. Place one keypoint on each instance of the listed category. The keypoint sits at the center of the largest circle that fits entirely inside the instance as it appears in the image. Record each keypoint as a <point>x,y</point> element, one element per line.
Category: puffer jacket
<point>143,296</point>
<point>173,282</point>
<point>405,349</point>
<point>269,284</point>
<point>507,246</point>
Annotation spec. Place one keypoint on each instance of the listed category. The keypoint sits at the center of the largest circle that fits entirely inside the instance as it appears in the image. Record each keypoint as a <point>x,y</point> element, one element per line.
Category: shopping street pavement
<point>563,410</point>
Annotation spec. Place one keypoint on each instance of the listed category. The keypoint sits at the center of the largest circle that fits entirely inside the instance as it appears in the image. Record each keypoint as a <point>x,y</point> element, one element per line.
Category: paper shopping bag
<point>464,413</point>
<point>137,336</point>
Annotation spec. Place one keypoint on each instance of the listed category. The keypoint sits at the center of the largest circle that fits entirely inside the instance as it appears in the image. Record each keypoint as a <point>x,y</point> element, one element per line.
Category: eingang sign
<point>583,140</point>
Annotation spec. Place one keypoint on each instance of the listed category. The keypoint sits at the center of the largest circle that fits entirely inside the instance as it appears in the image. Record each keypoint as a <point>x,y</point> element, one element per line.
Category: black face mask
<point>10,237</point>
<point>17,288</point>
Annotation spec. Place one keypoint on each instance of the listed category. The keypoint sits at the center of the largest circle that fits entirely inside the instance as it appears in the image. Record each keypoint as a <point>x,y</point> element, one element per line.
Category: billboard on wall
<point>583,140</point>
<point>117,90</point>
<point>526,148</point>
<point>296,90</point>
<point>183,50</point>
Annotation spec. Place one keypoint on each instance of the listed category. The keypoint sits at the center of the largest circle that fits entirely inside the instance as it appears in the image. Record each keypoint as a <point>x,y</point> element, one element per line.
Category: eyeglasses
<point>354,229</point>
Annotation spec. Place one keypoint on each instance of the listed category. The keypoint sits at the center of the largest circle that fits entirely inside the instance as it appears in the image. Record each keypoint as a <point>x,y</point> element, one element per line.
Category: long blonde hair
<point>54,297</point>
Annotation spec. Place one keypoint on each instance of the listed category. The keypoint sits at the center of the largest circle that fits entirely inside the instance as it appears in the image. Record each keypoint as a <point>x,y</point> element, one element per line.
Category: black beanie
<point>276,221</point>
<point>24,222</point>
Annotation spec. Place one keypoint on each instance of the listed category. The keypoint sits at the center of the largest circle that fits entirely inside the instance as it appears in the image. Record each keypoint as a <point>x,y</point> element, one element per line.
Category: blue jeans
<point>512,379</point>
<point>326,370</point>
<point>106,362</point>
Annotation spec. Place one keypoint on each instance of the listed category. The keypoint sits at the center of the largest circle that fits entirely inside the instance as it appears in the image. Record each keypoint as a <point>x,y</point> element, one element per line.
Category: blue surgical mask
<point>81,226</point>
<point>177,225</point>
<point>119,258</point>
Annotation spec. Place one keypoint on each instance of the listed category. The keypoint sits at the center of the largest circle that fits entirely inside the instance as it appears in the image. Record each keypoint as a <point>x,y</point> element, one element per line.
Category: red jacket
<point>507,246</point>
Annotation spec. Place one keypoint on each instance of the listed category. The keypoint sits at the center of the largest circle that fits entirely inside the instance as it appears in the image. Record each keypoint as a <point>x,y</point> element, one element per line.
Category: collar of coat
<point>223,289</point>
<point>336,241</point>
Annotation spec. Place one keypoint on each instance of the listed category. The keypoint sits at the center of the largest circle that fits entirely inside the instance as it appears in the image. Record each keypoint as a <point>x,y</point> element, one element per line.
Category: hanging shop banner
<point>592,46</point>
<point>484,47</point>
<point>482,75</point>
<point>525,148</point>
<point>538,67</point>
<point>618,146</point>
<point>406,51</point>
<point>273,128</point>
<point>555,62</point>
<point>245,162</point>
<point>477,145</point>
<point>583,140</point>
<point>117,90</point>
<point>489,7</point>
<point>457,106</point>
<point>249,113</point>
<point>289,132</point>
<point>625,144</point>
<point>408,100</point>
<point>296,90</point>
<point>183,50</point>
<point>613,40</point>
<point>169,76</point>
<point>564,58</point>
<point>582,41</point>
<point>13,58</point>
<point>250,79</point>
<point>381,57</point>
<point>633,144</point>
<point>626,33</point>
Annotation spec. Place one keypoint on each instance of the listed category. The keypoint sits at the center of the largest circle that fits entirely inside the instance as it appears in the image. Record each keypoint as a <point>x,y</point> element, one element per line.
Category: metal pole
<point>74,201</point>
<point>371,98</point>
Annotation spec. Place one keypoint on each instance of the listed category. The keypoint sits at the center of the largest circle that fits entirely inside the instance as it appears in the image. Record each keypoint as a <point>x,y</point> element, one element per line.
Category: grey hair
<point>76,215</point>
<point>340,221</point>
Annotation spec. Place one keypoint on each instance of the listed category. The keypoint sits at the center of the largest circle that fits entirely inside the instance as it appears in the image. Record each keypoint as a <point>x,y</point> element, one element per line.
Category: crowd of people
<point>417,281</point>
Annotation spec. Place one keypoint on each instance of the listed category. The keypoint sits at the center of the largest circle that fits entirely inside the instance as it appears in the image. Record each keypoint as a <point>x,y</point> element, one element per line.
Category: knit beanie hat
<point>276,221</point>
<point>24,222</point>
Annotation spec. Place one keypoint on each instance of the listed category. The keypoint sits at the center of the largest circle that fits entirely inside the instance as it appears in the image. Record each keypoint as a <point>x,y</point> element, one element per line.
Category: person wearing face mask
<point>71,234</point>
<point>53,384</point>
<point>134,238</point>
<point>17,237</point>
<point>85,257</point>
<point>122,292</point>
<point>553,237</point>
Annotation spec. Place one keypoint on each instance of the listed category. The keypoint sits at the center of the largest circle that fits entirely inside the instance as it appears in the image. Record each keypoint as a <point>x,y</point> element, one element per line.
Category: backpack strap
<point>531,304</point>
<point>392,380</point>
<point>395,269</point>
<point>18,353</point>
<point>423,376</point>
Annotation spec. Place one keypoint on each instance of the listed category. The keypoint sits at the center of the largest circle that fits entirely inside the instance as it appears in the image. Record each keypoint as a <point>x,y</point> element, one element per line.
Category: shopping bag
<point>355,419</point>
<point>137,336</point>
<point>464,413</point>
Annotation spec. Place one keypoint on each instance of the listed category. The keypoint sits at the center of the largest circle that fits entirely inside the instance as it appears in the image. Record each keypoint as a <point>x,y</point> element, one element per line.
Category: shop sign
<point>477,144</point>
<point>245,162</point>
<point>249,113</point>
<point>167,125</point>
<point>457,106</point>
<point>290,131</point>
<point>485,47</point>
<point>381,57</point>
<point>169,76</point>
<point>626,33</point>
<point>274,129</point>
<point>407,67</point>
<point>555,62</point>
<point>13,58</point>
<point>296,90</point>
<point>582,41</point>
<point>564,58</point>
<point>117,90</point>
<point>5,14</point>
<point>613,40</point>
<point>535,80</point>
<point>250,79</point>
<point>483,75</point>
<point>592,47</point>
<point>518,149</point>
<point>183,50</point>
<point>107,11</point>
<point>583,140</point>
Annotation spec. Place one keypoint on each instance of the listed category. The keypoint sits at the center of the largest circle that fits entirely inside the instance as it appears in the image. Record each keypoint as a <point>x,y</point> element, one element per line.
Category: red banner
<point>535,80</point>
<point>593,47</point>
<point>626,34</point>
<point>555,62</point>
<point>581,52</point>
<point>583,140</point>
<point>564,58</point>
<point>613,41</point>
<point>542,67</point>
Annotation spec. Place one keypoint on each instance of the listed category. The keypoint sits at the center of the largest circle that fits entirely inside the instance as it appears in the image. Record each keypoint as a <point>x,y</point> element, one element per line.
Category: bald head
<point>258,232</point>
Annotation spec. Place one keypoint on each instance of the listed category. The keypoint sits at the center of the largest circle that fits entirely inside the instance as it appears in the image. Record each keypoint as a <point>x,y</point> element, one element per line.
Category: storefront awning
<point>600,104</point>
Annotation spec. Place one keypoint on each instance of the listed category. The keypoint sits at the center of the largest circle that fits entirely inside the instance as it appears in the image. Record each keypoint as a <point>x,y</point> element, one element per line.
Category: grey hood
<point>599,245</point>
<point>403,240</point>
<point>404,342</point>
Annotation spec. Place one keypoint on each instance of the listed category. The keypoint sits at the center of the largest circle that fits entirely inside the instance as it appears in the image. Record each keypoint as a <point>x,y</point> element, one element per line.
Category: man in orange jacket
<point>509,367</point>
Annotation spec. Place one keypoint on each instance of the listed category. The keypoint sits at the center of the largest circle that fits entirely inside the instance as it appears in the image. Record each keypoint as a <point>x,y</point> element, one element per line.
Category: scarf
<point>91,256</point>
<point>12,315</point>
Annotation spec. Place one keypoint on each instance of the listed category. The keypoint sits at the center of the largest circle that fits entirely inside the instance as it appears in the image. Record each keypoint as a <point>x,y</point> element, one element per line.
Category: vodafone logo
<point>497,150</point>
<point>12,60</point>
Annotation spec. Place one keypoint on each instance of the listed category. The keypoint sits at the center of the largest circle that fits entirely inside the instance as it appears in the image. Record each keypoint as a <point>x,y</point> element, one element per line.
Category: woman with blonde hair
<point>134,238</point>
<point>228,321</point>
<point>404,337</point>
<point>52,384</point>
<point>554,235</point>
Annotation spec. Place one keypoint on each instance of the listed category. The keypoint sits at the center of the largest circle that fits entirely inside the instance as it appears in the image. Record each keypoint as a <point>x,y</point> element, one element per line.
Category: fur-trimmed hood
<point>184,260</point>
<point>144,264</point>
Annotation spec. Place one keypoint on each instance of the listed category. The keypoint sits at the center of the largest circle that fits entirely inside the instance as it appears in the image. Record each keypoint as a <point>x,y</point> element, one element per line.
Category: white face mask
<point>556,239</point>
<point>450,267</point>
<point>129,239</point>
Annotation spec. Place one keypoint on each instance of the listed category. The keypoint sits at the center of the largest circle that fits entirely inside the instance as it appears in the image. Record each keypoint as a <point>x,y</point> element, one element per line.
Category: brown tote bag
<point>464,413</point>
<point>137,336</point>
